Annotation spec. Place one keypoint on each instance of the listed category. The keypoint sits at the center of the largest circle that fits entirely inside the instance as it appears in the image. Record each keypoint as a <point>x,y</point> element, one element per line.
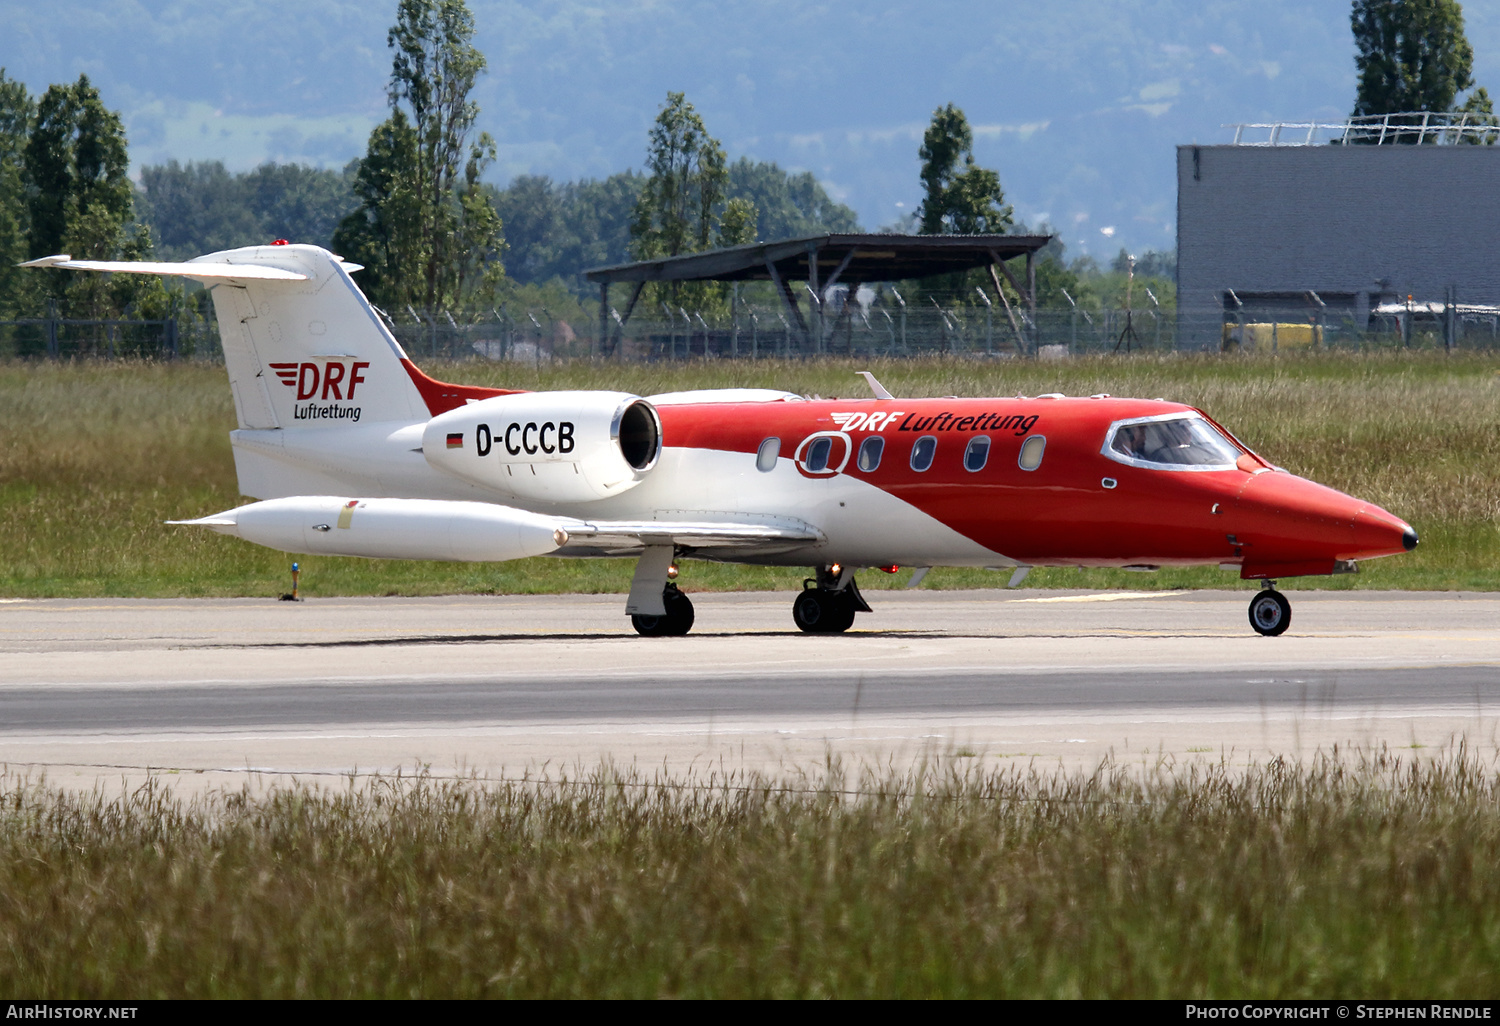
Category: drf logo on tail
<point>337,381</point>
<point>333,381</point>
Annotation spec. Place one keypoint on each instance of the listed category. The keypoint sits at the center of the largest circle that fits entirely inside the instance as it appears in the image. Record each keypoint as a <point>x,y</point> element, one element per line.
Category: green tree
<point>16,111</point>
<point>76,164</point>
<point>962,198</point>
<point>682,207</point>
<point>384,233</point>
<point>426,228</point>
<point>1411,56</point>
<point>298,202</point>
<point>737,225</point>
<point>787,205</point>
<point>201,207</point>
<point>560,230</point>
<point>676,212</point>
<point>196,208</point>
<point>80,201</point>
<point>1478,110</point>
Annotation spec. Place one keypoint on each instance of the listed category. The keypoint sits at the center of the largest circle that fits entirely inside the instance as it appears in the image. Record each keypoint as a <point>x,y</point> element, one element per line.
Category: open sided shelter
<point>820,262</point>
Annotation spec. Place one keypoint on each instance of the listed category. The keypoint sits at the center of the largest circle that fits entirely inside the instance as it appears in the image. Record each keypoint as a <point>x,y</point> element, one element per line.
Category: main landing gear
<point>828,602</point>
<point>677,621</point>
<point>1270,612</point>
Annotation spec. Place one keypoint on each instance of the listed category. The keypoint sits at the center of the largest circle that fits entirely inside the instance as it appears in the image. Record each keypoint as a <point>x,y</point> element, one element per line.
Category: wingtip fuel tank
<point>437,529</point>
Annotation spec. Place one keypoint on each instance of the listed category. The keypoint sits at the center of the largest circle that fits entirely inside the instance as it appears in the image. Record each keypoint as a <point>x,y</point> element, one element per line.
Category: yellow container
<point>1259,337</point>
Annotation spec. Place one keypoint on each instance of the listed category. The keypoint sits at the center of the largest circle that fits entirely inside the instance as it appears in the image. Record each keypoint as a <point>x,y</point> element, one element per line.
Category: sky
<point>1079,105</point>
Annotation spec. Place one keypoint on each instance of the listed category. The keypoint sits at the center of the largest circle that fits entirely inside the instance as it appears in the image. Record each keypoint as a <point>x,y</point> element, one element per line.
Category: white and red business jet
<point>353,451</point>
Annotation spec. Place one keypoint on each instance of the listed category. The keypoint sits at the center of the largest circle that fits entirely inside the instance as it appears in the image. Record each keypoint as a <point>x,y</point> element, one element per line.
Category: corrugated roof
<point>863,258</point>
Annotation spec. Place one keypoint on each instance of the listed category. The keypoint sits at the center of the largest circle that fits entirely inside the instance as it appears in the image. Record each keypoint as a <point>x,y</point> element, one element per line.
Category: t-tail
<point>303,346</point>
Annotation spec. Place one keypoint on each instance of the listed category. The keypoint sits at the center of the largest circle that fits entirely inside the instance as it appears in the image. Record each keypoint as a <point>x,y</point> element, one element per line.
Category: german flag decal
<point>455,440</point>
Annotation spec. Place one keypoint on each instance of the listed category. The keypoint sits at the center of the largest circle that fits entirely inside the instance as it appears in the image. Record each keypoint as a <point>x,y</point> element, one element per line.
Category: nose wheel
<point>823,612</point>
<point>677,622</point>
<point>1270,612</point>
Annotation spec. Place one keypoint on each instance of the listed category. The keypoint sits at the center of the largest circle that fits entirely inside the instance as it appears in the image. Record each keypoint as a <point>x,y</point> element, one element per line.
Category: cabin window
<point>765,456</point>
<point>922,451</point>
<point>977,454</point>
<point>1031,452</point>
<point>816,460</point>
<point>1175,442</point>
<point>869,453</point>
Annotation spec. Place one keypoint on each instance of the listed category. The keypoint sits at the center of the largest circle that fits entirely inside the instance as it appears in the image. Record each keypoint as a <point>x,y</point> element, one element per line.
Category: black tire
<point>816,611</point>
<point>677,621</point>
<point>842,614</point>
<point>1270,613</point>
<point>807,612</point>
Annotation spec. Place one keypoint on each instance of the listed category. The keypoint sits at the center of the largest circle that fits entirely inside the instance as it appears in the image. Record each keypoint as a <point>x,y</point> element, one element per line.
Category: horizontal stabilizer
<point>191,268</point>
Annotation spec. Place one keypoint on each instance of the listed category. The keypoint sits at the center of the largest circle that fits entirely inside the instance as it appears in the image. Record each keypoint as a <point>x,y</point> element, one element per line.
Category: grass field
<point>93,457</point>
<point>1369,875</point>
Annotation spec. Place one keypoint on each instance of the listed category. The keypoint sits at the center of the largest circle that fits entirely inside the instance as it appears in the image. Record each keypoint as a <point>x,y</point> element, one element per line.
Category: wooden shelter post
<point>996,262</point>
<point>816,313</point>
<point>788,300</point>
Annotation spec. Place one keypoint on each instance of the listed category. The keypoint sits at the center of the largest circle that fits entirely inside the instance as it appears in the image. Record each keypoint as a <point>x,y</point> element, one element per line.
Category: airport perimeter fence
<point>51,337</point>
<point>762,333</point>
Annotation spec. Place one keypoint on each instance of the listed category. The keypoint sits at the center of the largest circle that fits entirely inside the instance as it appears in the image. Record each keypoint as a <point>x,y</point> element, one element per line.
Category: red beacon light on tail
<point>280,242</point>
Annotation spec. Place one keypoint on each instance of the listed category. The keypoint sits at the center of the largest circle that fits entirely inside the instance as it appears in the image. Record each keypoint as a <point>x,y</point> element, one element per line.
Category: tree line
<point>434,236</point>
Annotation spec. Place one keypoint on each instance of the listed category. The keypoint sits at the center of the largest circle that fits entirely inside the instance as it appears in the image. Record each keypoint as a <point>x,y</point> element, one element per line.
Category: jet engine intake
<point>559,447</point>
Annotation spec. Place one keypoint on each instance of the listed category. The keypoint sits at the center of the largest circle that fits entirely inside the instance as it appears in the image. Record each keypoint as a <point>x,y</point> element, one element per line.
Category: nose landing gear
<point>828,602</point>
<point>1270,612</point>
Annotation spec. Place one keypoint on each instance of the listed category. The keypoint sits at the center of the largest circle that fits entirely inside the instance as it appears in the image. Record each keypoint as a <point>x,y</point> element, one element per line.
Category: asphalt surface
<point>217,692</point>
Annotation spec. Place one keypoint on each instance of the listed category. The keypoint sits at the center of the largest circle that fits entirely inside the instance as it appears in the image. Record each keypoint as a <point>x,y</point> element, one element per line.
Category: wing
<point>738,537</point>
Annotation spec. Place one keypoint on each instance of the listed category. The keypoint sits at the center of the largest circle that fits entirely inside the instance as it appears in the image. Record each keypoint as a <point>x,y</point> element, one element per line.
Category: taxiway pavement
<point>222,692</point>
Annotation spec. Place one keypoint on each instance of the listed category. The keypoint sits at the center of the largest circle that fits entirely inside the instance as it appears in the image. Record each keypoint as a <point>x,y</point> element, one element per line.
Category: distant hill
<point>1077,104</point>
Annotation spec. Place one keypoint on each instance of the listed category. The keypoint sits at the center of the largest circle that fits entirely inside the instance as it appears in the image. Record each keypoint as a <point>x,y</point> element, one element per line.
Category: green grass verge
<point>1371,876</point>
<point>93,457</point>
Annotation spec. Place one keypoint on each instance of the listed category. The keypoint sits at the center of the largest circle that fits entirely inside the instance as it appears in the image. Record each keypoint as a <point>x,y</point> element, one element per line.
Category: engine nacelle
<point>548,446</point>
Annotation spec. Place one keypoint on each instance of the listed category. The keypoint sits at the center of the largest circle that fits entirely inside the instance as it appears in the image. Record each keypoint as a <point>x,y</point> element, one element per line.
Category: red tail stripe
<point>441,397</point>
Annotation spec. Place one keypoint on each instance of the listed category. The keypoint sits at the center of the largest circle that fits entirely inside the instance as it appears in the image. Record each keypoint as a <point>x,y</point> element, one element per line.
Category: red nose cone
<point>1284,520</point>
<point>1378,533</point>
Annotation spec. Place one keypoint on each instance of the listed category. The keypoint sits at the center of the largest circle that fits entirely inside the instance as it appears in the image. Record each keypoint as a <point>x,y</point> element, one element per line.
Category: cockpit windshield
<point>1175,442</point>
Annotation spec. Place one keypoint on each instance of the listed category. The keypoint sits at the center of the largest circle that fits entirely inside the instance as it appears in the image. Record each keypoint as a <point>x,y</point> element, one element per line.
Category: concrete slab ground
<point>216,693</point>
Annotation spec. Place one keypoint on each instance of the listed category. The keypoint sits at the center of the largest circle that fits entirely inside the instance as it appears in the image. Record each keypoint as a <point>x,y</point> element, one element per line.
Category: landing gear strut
<point>1270,612</point>
<point>828,602</point>
<point>677,622</point>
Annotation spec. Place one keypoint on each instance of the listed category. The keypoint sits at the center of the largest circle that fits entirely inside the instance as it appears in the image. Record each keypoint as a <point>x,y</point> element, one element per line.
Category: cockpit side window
<point>1171,443</point>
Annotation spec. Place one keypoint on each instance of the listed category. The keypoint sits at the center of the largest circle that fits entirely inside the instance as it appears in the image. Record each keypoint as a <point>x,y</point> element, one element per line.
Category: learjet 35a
<point>353,451</point>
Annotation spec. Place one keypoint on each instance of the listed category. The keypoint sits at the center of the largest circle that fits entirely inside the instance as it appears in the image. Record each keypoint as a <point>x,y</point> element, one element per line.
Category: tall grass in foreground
<point>1365,875</point>
<point>93,457</point>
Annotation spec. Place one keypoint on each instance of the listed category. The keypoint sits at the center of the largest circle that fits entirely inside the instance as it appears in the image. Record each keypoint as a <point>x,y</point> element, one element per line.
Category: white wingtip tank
<point>390,528</point>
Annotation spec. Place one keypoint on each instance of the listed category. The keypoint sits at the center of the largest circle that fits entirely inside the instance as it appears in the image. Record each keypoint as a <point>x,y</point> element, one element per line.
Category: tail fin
<point>303,346</point>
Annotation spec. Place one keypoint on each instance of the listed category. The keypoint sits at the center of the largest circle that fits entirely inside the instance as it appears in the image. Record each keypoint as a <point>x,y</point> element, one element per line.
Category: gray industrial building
<point>1324,230</point>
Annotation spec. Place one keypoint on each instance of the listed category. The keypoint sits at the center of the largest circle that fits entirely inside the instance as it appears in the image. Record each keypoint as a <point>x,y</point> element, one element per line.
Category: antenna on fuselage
<point>875,386</point>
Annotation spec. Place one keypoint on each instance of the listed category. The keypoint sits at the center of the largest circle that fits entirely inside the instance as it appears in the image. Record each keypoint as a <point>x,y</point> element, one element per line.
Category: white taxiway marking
<point>1107,597</point>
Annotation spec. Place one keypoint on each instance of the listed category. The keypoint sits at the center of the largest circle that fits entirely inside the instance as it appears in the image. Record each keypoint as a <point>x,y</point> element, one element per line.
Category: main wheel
<point>1270,613</point>
<point>677,621</point>
<point>816,611</point>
